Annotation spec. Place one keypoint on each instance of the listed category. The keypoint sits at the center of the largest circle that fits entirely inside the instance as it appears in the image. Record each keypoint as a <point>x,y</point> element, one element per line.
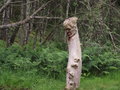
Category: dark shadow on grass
<point>13,88</point>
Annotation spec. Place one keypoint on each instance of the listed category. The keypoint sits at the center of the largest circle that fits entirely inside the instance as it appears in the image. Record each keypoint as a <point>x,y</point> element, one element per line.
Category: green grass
<point>30,81</point>
<point>110,82</point>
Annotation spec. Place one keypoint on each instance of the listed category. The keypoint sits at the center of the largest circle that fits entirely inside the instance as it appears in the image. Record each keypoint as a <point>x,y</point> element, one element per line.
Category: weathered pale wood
<point>74,62</point>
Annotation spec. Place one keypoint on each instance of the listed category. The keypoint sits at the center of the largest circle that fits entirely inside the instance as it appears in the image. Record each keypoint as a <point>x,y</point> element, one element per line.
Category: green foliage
<point>51,60</point>
<point>99,60</point>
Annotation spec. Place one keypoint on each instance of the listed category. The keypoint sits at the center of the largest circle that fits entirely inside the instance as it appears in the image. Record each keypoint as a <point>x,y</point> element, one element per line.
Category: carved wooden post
<point>74,63</point>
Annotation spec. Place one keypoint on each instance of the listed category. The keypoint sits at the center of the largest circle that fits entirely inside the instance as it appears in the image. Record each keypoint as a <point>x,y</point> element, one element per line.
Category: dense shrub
<point>52,60</point>
<point>99,59</point>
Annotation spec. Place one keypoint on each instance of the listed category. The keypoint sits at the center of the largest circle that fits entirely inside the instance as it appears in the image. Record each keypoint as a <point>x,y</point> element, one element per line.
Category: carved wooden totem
<point>74,62</point>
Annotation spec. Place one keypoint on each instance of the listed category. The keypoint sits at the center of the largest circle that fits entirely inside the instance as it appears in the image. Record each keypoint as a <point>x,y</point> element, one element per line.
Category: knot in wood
<point>76,60</point>
<point>71,33</point>
<point>71,74</point>
<point>75,66</point>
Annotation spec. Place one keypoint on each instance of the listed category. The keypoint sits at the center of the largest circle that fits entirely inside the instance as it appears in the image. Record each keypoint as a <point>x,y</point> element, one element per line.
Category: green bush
<point>99,60</point>
<point>52,59</point>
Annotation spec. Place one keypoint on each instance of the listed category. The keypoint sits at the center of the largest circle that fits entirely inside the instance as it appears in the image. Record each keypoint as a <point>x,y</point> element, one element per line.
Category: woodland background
<point>33,40</point>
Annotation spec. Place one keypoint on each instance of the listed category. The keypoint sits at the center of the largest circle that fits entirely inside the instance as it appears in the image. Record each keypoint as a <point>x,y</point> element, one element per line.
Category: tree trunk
<point>5,31</point>
<point>14,34</point>
<point>21,32</point>
<point>27,25</point>
<point>74,63</point>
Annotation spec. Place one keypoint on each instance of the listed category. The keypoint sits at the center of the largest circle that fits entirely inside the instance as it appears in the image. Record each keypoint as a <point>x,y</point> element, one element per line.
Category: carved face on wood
<point>70,25</point>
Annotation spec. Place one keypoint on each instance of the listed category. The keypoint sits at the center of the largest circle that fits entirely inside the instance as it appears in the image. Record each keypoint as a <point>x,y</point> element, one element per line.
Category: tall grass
<point>29,81</point>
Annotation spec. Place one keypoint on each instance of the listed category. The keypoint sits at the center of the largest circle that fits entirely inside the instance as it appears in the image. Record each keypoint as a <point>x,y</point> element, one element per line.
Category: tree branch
<point>5,5</point>
<point>44,17</point>
<point>113,41</point>
<point>67,8</point>
<point>25,20</point>
<point>48,37</point>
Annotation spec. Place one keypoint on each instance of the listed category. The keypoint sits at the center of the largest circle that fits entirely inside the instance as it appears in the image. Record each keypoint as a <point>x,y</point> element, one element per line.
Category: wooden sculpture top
<point>70,26</point>
<point>70,22</point>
